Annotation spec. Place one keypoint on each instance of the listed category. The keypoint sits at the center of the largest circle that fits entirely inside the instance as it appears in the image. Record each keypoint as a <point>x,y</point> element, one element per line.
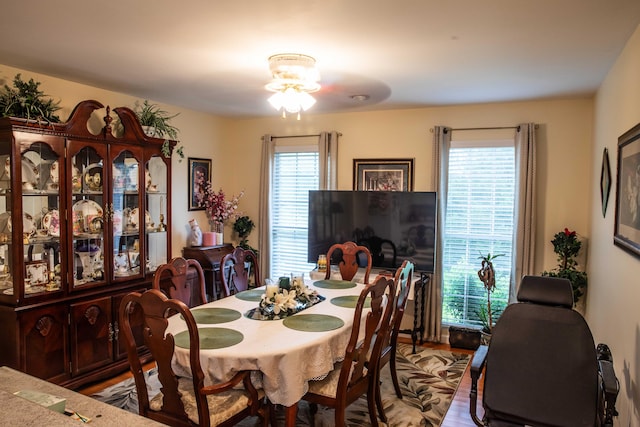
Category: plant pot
<point>467,338</point>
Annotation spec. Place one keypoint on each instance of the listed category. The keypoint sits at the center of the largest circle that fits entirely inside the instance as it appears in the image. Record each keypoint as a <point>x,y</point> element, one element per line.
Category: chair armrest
<point>477,365</point>
<point>610,383</point>
<point>478,362</point>
<point>609,379</point>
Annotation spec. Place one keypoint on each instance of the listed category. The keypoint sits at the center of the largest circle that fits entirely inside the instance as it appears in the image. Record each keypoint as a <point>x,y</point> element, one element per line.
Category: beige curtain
<point>264,210</point>
<point>328,155</point>
<point>525,209</point>
<point>328,150</point>
<point>441,146</point>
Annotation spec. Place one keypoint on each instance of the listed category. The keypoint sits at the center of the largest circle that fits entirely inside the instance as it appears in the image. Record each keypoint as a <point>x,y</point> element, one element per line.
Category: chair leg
<point>372,399</point>
<point>272,415</point>
<point>340,413</point>
<point>376,396</point>
<point>394,375</point>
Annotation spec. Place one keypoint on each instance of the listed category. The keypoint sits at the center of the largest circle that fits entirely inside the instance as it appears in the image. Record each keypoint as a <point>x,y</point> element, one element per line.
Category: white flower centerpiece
<point>279,302</point>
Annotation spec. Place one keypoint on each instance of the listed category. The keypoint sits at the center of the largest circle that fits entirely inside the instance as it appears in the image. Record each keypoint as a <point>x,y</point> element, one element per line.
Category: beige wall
<point>614,288</point>
<point>564,152</point>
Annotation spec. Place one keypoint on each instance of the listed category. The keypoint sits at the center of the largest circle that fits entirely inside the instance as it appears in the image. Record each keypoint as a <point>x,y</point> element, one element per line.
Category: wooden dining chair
<point>402,280</point>
<point>348,257</point>
<point>238,266</point>
<point>182,401</point>
<point>351,377</point>
<point>176,281</point>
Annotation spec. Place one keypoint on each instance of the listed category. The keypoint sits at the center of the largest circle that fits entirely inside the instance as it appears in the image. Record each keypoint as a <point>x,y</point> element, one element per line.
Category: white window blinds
<point>296,171</point>
<point>478,221</point>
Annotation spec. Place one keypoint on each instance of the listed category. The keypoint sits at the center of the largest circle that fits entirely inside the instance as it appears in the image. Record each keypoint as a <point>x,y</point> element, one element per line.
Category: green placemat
<point>250,295</point>
<point>334,284</point>
<point>213,315</point>
<point>211,338</point>
<point>350,301</point>
<point>313,322</point>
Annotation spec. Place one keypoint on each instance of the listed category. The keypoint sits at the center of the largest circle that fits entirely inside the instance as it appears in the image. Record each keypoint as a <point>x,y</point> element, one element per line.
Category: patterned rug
<point>428,380</point>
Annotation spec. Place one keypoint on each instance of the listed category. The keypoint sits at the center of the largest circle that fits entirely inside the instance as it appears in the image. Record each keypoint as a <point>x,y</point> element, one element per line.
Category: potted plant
<point>243,226</point>
<point>25,100</point>
<point>567,246</point>
<point>488,278</point>
<point>156,123</point>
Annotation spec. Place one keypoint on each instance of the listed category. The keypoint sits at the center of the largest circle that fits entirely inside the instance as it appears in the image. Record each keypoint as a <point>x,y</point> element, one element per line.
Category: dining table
<point>284,354</point>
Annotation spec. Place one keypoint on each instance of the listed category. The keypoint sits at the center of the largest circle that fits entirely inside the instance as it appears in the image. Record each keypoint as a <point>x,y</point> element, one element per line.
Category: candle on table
<point>272,290</point>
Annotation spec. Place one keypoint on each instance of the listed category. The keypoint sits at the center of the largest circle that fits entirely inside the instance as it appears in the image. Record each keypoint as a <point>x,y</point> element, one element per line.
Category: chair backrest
<point>156,308</point>
<point>402,281</point>
<point>348,261</point>
<point>236,269</point>
<point>541,364</point>
<point>403,277</point>
<point>175,280</point>
<point>363,353</point>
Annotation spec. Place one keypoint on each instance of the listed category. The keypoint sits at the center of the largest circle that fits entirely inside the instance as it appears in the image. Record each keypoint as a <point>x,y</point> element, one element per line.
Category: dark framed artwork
<point>605,181</point>
<point>199,175</point>
<point>383,174</point>
<point>627,222</point>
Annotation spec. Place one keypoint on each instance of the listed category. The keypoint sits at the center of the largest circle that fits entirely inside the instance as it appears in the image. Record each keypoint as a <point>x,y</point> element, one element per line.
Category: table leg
<point>290,415</point>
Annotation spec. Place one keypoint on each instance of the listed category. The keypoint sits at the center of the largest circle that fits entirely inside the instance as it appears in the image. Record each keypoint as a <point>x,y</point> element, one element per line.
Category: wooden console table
<point>209,258</point>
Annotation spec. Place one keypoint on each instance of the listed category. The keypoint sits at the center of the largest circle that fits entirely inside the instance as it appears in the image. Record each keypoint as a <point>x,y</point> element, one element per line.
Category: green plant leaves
<point>25,100</point>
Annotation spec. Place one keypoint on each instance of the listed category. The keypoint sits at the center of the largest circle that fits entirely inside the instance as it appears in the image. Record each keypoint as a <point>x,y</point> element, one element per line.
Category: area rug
<point>428,381</point>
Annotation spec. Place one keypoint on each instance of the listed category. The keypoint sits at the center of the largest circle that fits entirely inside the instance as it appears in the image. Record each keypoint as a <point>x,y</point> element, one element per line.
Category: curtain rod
<point>485,128</point>
<point>292,136</point>
<point>300,136</point>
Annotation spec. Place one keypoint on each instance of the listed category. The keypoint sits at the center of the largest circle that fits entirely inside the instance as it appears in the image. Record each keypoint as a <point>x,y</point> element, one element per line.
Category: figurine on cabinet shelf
<point>195,239</point>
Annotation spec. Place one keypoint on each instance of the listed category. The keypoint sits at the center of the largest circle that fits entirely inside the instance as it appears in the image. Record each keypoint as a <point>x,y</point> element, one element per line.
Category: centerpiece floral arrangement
<point>217,206</point>
<point>282,302</point>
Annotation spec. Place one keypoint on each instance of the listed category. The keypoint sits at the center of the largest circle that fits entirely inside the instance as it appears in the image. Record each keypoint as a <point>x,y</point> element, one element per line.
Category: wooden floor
<point>457,416</point>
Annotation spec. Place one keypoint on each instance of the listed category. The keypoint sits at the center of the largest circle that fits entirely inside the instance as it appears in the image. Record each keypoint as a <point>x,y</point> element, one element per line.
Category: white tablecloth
<point>285,358</point>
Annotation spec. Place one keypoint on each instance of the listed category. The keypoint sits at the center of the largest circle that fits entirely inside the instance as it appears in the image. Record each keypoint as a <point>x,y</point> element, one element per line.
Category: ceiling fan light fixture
<point>294,78</point>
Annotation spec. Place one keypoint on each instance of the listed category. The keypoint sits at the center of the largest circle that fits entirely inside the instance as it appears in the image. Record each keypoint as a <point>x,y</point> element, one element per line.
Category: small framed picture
<point>199,175</point>
<point>383,174</point>
<point>627,222</point>
<point>36,273</point>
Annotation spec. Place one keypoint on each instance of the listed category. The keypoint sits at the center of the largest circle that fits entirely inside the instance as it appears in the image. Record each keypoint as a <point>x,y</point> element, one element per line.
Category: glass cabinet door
<point>156,215</point>
<point>41,178</point>
<point>128,219</point>
<point>87,217</point>
<point>6,277</point>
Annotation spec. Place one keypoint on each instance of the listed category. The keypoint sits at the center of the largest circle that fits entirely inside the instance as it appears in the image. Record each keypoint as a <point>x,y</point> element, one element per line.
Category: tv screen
<point>394,225</point>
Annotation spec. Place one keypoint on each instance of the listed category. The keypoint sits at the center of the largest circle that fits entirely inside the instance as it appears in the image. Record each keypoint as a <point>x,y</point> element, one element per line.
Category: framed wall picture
<point>383,174</point>
<point>605,181</point>
<point>627,222</point>
<point>199,175</point>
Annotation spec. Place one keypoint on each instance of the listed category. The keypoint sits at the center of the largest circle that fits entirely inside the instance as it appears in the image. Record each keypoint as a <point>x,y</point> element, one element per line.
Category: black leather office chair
<point>542,367</point>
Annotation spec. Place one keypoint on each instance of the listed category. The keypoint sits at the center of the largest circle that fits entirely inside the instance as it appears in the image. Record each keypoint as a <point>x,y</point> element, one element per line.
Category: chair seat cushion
<point>327,386</point>
<point>222,406</point>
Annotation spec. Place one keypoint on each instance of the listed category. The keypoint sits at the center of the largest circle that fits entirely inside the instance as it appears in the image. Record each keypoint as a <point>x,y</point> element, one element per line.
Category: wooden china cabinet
<point>84,219</point>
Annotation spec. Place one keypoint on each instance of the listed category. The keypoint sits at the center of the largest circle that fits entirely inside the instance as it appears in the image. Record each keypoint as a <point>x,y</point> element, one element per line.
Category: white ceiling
<point>212,55</point>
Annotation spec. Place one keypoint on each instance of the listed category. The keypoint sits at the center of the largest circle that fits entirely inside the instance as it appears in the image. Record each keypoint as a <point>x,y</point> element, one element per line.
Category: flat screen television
<point>394,225</point>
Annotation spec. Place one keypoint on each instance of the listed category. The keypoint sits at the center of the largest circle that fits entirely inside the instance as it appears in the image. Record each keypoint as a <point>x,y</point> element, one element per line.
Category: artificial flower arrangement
<point>216,205</point>
<point>279,302</point>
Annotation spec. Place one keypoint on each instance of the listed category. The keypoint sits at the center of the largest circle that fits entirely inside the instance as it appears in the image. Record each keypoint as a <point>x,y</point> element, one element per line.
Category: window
<point>478,221</point>
<point>295,172</point>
